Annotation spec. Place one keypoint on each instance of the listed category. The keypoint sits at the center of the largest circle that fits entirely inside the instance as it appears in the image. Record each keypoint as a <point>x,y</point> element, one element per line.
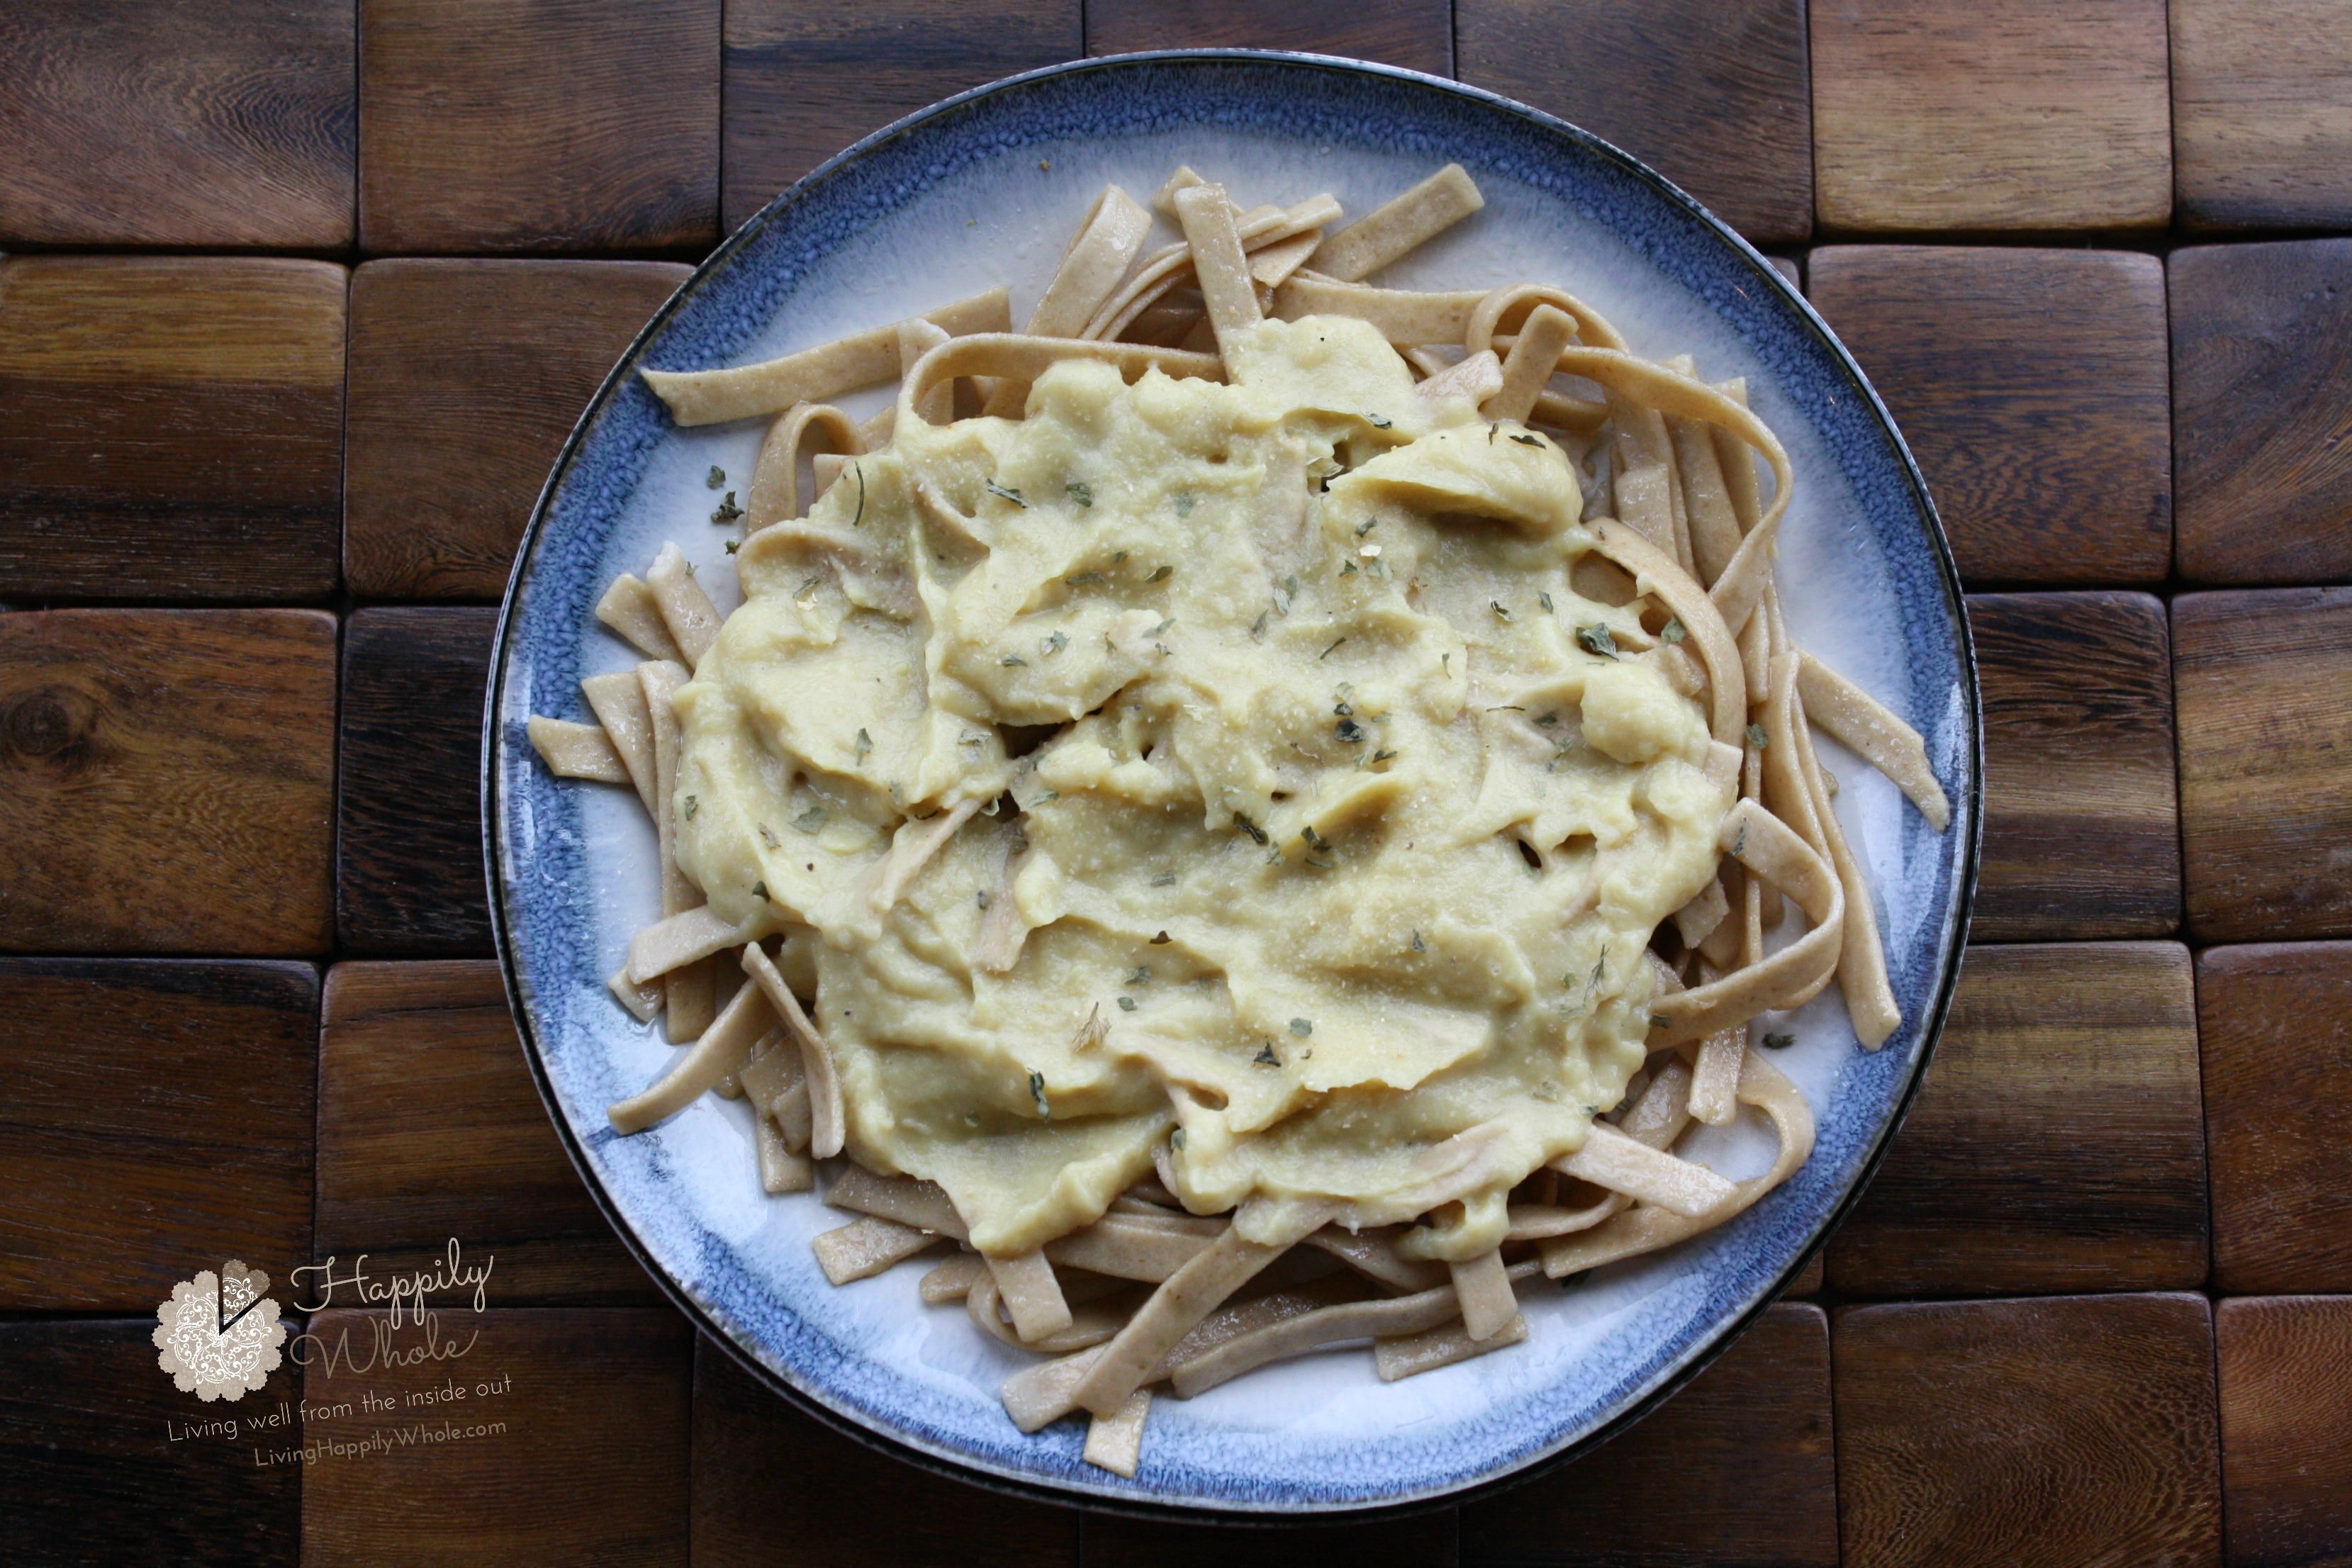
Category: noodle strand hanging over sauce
<point>1262,836</point>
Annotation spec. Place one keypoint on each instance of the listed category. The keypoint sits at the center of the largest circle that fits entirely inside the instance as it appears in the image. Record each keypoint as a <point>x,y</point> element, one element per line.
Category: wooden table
<point>276,395</point>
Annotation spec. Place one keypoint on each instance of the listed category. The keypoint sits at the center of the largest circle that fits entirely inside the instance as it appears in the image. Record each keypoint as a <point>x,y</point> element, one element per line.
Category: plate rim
<point>1691,1362</point>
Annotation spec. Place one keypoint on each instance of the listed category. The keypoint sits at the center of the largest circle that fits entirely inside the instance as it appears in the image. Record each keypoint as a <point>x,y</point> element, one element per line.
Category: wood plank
<point>466,377</point>
<point>2262,360</point>
<point>430,1130</point>
<point>1415,34</point>
<point>2264,683</point>
<point>1809,1279</point>
<point>2064,1431</point>
<point>2285,1365</point>
<point>2082,812</point>
<point>1935,116</point>
<point>538,125</point>
<point>2031,384</point>
<point>2058,1143</point>
<point>2275,1024</point>
<point>2262,113</point>
<point>408,877</point>
<point>1423,1540</point>
<point>1714,97</point>
<point>153,122</point>
<point>89,1454</point>
<point>766,1475</point>
<point>176,770</point>
<point>170,427</point>
<point>569,1446</point>
<point>805,81</point>
<point>159,1121</point>
<point>1739,1467</point>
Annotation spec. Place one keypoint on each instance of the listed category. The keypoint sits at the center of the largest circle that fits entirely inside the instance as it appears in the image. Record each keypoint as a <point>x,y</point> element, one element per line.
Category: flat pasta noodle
<point>1140,1294</point>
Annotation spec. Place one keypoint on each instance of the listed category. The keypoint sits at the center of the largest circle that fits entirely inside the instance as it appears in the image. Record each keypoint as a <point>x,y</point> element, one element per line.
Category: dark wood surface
<point>767,1476</point>
<point>166,781</point>
<point>169,428</point>
<point>538,125</point>
<point>1416,34</point>
<point>172,431</point>
<point>2062,1431</point>
<point>91,1470</point>
<point>409,860</point>
<point>588,1466</point>
<point>2081,817</point>
<point>2275,1026</point>
<point>2030,385</point>
<point>466,377</point>
<point>2261,400</point>
<point>2262,113</point>
<point>1713,96</point>
<point>1739,1467</point>
<point>1992,115</point>
<point>223,125</point>
<point>2058,1143</point>
<point>805,81</point>
<point>430,1130</point>
<point>158,1121</point>
<point>2264,684</point>
<point>2285,1373</point>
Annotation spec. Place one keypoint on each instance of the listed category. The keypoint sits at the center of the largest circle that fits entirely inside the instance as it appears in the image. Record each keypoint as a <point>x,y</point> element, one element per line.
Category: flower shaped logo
<point>218,1335</point>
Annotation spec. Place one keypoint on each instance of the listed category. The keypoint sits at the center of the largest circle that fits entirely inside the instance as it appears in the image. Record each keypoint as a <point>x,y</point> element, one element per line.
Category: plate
<point>981,190</point>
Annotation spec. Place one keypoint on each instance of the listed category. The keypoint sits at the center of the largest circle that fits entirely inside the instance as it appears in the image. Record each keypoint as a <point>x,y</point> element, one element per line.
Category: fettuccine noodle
<point>1381,696</point>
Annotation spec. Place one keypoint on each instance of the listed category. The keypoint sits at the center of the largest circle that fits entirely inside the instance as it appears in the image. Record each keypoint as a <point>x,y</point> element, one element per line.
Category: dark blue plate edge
<point>1700,1355</point>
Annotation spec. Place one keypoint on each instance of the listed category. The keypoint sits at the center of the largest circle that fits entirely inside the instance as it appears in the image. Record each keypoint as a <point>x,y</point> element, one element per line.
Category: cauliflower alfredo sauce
<point>1344,820</point>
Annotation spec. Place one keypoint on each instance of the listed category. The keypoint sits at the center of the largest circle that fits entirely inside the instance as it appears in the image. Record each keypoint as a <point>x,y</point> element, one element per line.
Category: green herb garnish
<point>1778,1042</point>
<point>689,805</point>
<point>864,745</point>
<point>715,478</point>
<point>760,891</point>
<point>809,821</point>
<point>1595,639</point>
<point>1005,492</point>
<point>1301,1027</point>
<point>727,511</point>
<point>1127,1003</point>
<point>1083,494</point>
<point>1673,631</point>
<point>1758,737</point>
<point>1161,575</point>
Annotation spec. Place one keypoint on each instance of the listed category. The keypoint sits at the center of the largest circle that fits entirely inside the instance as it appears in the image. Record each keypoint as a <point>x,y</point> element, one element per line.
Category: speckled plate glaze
<point>982,189</point>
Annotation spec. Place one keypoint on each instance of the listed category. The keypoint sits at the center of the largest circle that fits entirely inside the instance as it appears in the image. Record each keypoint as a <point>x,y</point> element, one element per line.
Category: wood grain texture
<point>2082,810</point>
<point>1424,1540</point>
<point>408,864</point>
<point>767,1476</point>
<point>1737,1469</point>
<point>169,428</point>
<point>805,81</point>
<point>538,125</point>
<point>2261,404</point>
<point>166,781</point>
<point>586,1464</point>
<point>158,1121</point>
<point>90,1471</point>
<point>157,123</point>
<point>1416,34</point>
<point>2031,384</point>
<point>2284,1365</point>
<point>430,1130</point>
<point>466,377</point>
<point>2058,1144</point>
<point>2275,1027</point>
<point>2263,681</point>
<point>1935,116</point>
<point>2067,1432</point>
<point>2262,113</point>
<point>1713,96</point>
<point>1809,1279</point>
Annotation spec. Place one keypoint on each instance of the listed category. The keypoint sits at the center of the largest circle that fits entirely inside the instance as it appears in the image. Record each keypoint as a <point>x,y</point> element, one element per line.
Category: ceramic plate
<point>982,190</point>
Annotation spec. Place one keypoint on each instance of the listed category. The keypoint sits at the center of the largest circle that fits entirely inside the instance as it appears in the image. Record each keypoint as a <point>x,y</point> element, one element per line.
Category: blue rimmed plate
<point>982,190</point>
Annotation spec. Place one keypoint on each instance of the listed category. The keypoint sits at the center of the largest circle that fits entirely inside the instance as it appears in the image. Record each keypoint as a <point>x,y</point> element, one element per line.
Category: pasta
<point>1426,957</point>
